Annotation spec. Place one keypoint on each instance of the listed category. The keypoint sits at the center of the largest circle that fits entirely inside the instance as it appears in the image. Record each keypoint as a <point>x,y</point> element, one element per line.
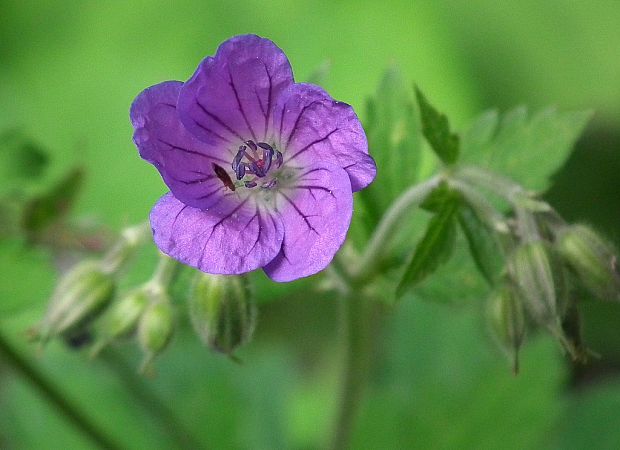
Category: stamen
<point>240,171</point>
<point>267,155</point>
<point>279,158</point>
<point>238,157</point>
<point>257,170</point>
<point>255,158</point>
<point>272,183</point>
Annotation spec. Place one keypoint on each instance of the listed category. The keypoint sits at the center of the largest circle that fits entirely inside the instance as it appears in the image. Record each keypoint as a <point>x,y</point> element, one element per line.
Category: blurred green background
<point>69,71</point>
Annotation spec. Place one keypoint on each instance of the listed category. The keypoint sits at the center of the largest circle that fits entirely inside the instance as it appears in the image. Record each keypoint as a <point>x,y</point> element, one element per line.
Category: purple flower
<point>261,169</point>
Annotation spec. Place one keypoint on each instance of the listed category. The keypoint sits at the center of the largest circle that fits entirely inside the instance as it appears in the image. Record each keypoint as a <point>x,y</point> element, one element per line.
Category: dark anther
<point>265,146</point>
<point>270,184</point>
<point>223,175</point>
<point>238,157</point>
<point>251,144</point>
<point>278,158</point>
<point>249,184</point>
<point>240,171</point>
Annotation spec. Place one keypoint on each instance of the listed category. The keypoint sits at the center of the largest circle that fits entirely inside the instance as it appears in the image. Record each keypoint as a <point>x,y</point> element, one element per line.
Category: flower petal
<point>241,239</point>
<point>314,127</point>
<point>185,163</point>
<point>316,213</point>
<point>230,97</point>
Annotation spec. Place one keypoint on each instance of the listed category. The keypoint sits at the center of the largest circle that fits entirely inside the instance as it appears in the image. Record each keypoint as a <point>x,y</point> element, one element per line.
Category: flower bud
<point>79,297</point>
<point>124,249</point>
<point>571,327</point>
<point>539,278</point>
<point>155,330</point>
<point>592,258</point>
<point>122,318</point>
<point>507,321</point>
<point>222,311</point>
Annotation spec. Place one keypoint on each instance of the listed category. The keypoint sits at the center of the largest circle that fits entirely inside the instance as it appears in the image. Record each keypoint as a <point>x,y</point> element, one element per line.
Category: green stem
<point>54,395</point>
<point>499,185</point>
<point>131,238</point>
<point>165,270</point>
<point>358,327</point>
<point>493,219</point>
<point>401,207</point>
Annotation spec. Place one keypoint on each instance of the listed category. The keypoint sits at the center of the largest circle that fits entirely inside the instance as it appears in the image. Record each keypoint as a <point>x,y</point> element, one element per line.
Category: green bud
<point>539,278</point>
<point>80,296</point>
<point>125,248</point>
<point>571,327</point>
<point>507,321</point>
<point>155,330</point>
<point>222,311</point>
<point>592,258</point>
<point>122,318</point>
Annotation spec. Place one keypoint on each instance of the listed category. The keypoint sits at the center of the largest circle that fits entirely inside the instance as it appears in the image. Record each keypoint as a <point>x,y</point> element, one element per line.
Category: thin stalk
<point>483,208</point>
<point>400,208</point>
<point>499,185</point>
<point>359,324</point>
<point>45,387</point>
<point>131,238</point>
<point>165,270</point>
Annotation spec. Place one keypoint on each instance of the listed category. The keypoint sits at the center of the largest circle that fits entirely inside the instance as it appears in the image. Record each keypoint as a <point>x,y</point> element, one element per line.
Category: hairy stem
<point>24,368</point>
<point>400,208</point>
<point>359,325</point>
<point>165,270</point>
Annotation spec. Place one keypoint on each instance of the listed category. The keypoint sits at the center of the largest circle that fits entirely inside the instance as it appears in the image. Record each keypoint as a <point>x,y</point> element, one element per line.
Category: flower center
<point>253,162</point>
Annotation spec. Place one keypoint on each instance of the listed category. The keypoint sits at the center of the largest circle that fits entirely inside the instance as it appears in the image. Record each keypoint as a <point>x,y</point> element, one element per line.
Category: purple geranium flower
<point>261,169</point>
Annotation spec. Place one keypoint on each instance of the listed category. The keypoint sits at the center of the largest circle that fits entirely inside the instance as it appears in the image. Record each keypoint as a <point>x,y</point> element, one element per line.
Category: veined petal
<point>166,92</point>
<point>184,162</point>
<point>314,127</point>
<point>230,98</point>
<point>316,213</point>
<point>240,239</point>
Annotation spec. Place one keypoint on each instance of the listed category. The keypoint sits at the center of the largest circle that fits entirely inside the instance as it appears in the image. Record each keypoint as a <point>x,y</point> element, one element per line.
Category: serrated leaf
<point>527,148</point>
<point>434,248</point>
<point>483,244</point>
<point>436,130</point>
<point>394,140</point>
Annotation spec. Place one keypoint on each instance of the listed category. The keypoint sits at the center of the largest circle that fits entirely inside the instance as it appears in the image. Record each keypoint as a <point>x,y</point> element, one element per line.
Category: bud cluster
<point>87,306</point>
<point>549,266</point>
<point>222,311</point>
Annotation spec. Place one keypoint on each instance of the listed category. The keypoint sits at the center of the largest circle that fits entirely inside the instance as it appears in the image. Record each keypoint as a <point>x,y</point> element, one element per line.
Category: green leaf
<point>394,139</point>
<point>526,148</point>
<point>436,130</point>
<point>42,211</point>
<point>483,244</point>
<point>442,194</point>
<point>434,249</point>
<point>21,157</point>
